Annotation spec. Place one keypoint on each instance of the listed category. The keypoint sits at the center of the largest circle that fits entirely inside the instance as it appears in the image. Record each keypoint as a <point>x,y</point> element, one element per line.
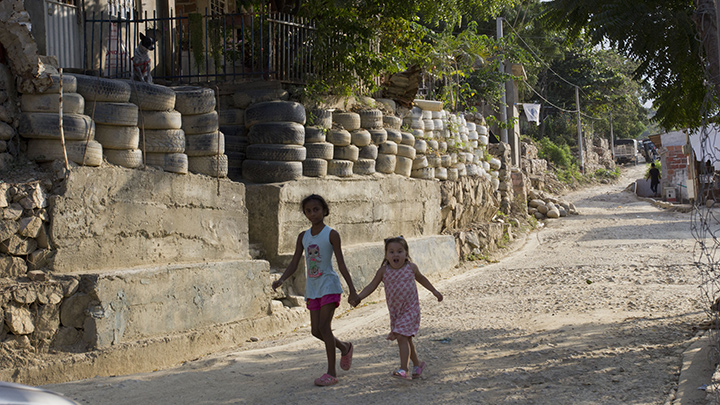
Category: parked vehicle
<point>18,394</point>
<point>648,150</point>
<point>626,151</point>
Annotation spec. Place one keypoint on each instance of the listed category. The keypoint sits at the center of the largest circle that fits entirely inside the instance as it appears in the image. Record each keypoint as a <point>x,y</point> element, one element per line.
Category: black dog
<point>141,59</point>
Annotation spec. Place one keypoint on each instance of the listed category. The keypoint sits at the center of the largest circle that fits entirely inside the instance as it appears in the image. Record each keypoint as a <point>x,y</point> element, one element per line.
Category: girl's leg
<point>413,353</point>
<point>404,346</point>
<point>323,331</point>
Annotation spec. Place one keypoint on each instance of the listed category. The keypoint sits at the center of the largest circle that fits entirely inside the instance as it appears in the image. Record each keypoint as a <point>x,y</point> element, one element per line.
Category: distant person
<point>322,285</point>
<point>654,176</point>
<point>399,275</point>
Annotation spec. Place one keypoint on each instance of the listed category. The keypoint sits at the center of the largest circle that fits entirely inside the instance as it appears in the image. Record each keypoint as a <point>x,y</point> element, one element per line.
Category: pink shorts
<point>314,304</point>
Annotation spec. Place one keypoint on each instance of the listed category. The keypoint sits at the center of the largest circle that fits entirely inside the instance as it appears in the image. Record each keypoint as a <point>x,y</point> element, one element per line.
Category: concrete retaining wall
<point>122,218</point>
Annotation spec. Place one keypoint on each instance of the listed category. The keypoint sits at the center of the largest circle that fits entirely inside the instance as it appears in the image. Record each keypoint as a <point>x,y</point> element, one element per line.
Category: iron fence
<point>203,47</point>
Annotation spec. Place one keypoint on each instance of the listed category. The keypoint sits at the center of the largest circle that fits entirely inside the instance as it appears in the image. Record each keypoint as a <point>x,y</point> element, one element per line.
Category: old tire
<point>406,151</point>
<point>274,111</point>
<point>153,97</point>
<point>280,153</point>
<point>170,162</point>
<point>392,122</point>
<point>372,118</point>
<point>209,144</point>
<point>200,123</point>
<point>360,138</point>
<point>215,166</point>
<point>236,143</point>
<point>368,152</point>
<point>441,173</point>
<point>420,146</point>
<point>231,116</point>
<point>385,163</point>
<point>314,134</point>
<point>388,148</point>
<point>364,166</point>
<point>47,126</point>
<point>407,138</point>
<point>403,166</point>
<point>163,141</point>
<point>378,136</point>
<point>73,103</point>
<point>349,152</point>
<point>452,174</point>
<point>315,167</point>
<point>320,150</point>
<point>287,133</point>
<point>69,84</point>
<point>109,113</point>
<point>130,158</point>
<point>46,150</point>
<point>338,137</point>
<point>420,162</point>
<point>340,168</point>
<point>159,119</point>
<point>94,88</point>
<point>260,171</point>
<point>192,100</point>
<point>115,137</point>
<point>319,117</point>
<point>426,173</point>
<point>394,135</point>
<point>347,120</point>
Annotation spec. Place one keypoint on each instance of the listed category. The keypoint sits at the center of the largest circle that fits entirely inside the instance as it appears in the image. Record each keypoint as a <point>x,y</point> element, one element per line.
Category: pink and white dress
<point>401,296</point>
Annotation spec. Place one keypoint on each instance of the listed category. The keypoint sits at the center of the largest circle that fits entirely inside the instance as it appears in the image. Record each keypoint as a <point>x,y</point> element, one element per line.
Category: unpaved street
<point>592,309</point>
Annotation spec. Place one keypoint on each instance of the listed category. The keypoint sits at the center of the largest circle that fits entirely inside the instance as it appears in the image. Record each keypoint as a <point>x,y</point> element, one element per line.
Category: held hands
<point>354,299</point>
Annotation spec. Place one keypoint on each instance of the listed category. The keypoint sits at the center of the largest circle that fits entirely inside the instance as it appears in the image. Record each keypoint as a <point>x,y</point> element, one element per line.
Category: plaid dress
<point>401,296</point>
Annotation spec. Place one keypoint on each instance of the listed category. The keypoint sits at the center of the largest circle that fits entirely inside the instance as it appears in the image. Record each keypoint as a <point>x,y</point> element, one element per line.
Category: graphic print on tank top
<point>314,260</point>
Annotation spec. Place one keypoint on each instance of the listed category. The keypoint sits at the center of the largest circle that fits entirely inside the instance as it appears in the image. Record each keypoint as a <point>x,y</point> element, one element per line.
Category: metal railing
<point>203,48</point>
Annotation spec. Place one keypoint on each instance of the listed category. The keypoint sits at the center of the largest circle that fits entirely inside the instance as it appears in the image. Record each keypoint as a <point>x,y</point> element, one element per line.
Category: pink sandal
<point>325,380</point>
<point>417,370</point>
<point>401,374</point>
<point>346,360</point>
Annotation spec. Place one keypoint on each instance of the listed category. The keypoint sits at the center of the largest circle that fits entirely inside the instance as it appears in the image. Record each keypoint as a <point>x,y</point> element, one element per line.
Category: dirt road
<point>592,309</point>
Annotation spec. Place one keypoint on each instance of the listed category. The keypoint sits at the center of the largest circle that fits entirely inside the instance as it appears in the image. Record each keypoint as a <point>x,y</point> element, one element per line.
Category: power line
<point>559,108</point>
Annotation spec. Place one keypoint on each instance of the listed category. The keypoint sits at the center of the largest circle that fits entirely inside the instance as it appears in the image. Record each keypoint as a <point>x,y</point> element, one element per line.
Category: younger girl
<point>322,287</point>
<point>399,274</point>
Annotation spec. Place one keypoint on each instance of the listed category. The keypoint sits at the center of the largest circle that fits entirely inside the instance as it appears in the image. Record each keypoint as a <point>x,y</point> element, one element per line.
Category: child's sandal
<point>401,374</point>
<point>417,370</point>
<point>325,380</point>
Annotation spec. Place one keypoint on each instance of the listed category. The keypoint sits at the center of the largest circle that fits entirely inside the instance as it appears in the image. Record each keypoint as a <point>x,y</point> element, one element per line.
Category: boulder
<point>19,320</point>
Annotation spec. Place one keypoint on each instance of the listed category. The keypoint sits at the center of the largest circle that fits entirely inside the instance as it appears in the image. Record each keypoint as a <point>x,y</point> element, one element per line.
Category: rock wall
<point>8,119</point>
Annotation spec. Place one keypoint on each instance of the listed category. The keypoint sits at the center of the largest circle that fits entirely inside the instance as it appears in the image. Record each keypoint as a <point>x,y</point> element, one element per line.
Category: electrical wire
<point>559,108</point>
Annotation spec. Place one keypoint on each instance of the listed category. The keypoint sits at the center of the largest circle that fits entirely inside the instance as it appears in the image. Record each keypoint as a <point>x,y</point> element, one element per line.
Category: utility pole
<point>503,106</point>
<point>612,139</point>
<point>580,139</point>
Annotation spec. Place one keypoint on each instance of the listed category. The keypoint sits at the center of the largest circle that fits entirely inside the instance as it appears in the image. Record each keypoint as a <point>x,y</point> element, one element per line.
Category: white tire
<point>275,111</point>
<point>315,167</point>
<point>406,151</point>
<point>130,158</point>
<point>392,122</point>
<point>426,173</point>
<point>340,168</point>
<point>94,88</point>
<point>200,123</point>
<point>441,173</point>
<point>420,162</point>
<point>163,141</point>
<point>385,163</point>
<point>445,160</point>
<point>429,125</point>
<point>73,103</point>
<point>159,119</point>
<point>320,150</point>
<point>117,137</point>
<point>434,161</point>
<point>388,148</point>
<point>150,96</point>
<point>364,166</point>
<point>360,137</point>
<point>407,138</point>
<point>347,120</point>
<point>429,105</point>
<point>87,153</point>
<point>339,137</point>
<point>368,152</point>
<point>193,100</point>
<point>420,146</point>
<point>349,152</point>
<point>432,144</point>
<point>403,166</point>
<point>442,146</point>
<point>170,162</point>
<point>452,174</point>
<point>394,135</point>
<point>319,117</point>
<point>70,84</point>
<point>378,136</point>
<point>372,118</point>
<point>315,134</point>
<point>47,126</point>
<point>283,153</point>
<point>214,166</point>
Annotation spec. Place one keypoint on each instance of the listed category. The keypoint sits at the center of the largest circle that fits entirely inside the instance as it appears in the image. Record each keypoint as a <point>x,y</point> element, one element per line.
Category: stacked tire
<point>161,135</point>
<point>345,154</point>
<point>318,151</point>
<point>204,142</point>
<point>232,124</point>
<point>107,103</point>
<point>276,135</point>
<point>39,123</point>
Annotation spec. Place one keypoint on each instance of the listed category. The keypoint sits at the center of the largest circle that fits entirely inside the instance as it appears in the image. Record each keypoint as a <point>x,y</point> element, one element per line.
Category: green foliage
<point>197,46</point>
<point>605,174</point>
<point>658,166</point>
<point>560,156</point>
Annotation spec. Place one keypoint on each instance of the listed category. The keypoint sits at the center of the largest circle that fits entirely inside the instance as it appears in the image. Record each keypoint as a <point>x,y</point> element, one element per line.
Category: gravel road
<point>591,309</point>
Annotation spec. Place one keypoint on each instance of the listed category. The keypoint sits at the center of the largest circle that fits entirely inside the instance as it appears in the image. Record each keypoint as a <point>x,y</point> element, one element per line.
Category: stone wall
<point>122,218</point>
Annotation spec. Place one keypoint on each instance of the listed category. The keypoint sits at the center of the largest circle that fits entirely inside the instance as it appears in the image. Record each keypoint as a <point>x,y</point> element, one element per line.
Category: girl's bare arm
<point>425,282</point>
<point>370,288</point>
<point>292,267</point>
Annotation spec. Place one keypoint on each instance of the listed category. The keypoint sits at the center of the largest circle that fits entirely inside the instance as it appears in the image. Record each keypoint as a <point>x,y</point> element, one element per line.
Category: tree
<point>659,35</point>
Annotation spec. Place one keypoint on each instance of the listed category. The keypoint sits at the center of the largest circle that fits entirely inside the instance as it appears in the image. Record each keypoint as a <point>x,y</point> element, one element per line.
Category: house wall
<point>674,165</point>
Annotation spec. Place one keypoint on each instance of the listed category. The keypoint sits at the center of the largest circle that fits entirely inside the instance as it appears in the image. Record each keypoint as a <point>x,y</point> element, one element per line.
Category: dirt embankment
<point>595,308</point>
